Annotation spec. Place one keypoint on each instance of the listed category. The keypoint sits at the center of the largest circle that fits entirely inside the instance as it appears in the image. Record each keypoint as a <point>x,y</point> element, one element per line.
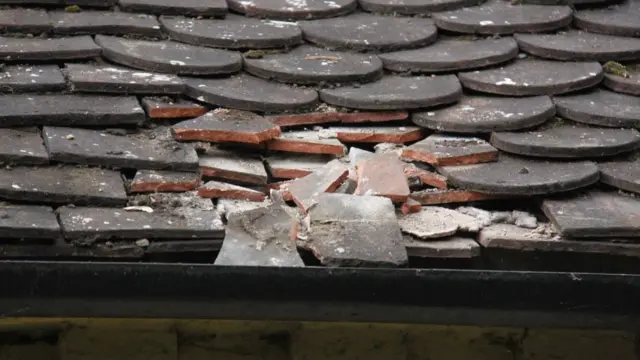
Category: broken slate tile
<point>327,179</point>
<point>69,110</point>
<point>232,166</point>
<point>169,56</point>
<point>235,32</point>
<point>450,196</point>
<point>600,107</point>
<point>575,45</point>
<point>473,114</point>
<point>63,185</point>
<point>621,19</point>
<point>377,134</point>
<point>245,92</point>
<point>293,166</point>
<point>118,80</point>
<point>226,125</point>
<point>154,150</point>
<point>621,173</point>
<point>54,49</point>
<point>413,7</point>
<point>283,10</point>
<point>369,32</point>
<point>530,77</point>
<point>30,21</point>
<point>87,225</point>
<point>449,150</point>
<point>209,8</point>
<point>310,65</point>
<point>396,93</point>
<point>315,118</point>
<point>433,222</point>
<point>28,223</point>
<point>104,23</point>
<point>568,141</point>
<point>226,207</point>
<point>454,247</point>
<point>512,175</point>
<point>308,142</point>
<point>498,17</point>
<point>22,146</point>
<point>594,214</point>
<point>216,189</point>
<point>167,108</point>
<point>21,78</point>
<point>424,177</point>
<point>348,230</point>
<point>452,55</point>
<point>164,181</point>
<point>382,175</point>
<point>628,84</point>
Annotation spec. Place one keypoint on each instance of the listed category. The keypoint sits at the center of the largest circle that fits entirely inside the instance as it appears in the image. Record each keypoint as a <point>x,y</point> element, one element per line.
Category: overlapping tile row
<point>342,133</point>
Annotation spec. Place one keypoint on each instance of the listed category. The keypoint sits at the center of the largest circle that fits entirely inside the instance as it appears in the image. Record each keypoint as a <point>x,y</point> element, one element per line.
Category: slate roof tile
<point>104,23</point>
<point>53,49</point>
<point>213,8</point>
<point>26,78</point>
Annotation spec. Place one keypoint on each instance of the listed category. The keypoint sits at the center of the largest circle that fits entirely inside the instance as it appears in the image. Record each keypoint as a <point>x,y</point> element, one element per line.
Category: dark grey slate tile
<point>627,83</point>
<point>452,55</point>
<point>90,3</point>
<point>54,49</point>
<point>28,222</point>
<point>600,107</point>
<point>622,173</point>
<point>212,8</point>
<point>530,77</point>
<point>63,185</point>
<point>118,80</point>
<point>29,2</point>
<point>288,10</point>
<point>144,150</point>
<point>62,250</point>
<point>28,21</point>
<point>23,146</point>
<point>246,92</point>
<point>474,114</point>
<point>105,23</point>
<point>69,110</point>
<point>182,246</point>
<point>414,7</point>
<point>234,32</point>
<point>169,56</point>
<point>619,19</point>
<point>25,78</point>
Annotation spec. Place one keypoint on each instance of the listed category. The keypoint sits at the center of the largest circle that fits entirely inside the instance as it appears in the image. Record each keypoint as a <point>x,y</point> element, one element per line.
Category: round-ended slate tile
<point>600,107</point>
<point>169,56</point>
<point>367,32</point>
<point>311,65</point>
<point>628,83</point>
<point>234,32</point>
<point>512,175</point>
<point>396,92</point>
<point>529,77</point>
<point>293,9</point>
<point>452,55</point>
<point>623,173</point>
<point>579,45</point>
<point>414,7</point>
<point>483,114</point>
<point>568,141</point>
<point>501,17</point>
<point>245,92</point>
<point>620,19</point>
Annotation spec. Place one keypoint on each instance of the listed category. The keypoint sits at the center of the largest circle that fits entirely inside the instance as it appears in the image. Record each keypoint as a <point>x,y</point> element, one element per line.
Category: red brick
<point>215,189</point>
<point>158,108</point>
<point>397,135</point>
<point>410,206</point>
<point>445,150</point>
<point>307,142</point>
<point>326,179</point>
<point>433,197</point>
<point>382,175</point>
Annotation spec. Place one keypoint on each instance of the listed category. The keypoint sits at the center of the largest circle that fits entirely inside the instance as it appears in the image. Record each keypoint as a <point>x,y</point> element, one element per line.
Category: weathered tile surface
<point>284,10</point>
<point>439,196</point>
<point>530,77</point>
<point>447,150</point>
<point>309,65</point>
<point>327,179</point>
<point>452,55</point>
<point>621,173</point>
<point>216,189</point>
<point>105,23</point>
<point>215,8</point>
<point>425,177</point>
<point>62,185</point>
<point>293,166</point>
<point>28,222</point>
<point>454,247</point>
<point>594,214</point>
<point>396,93</point>
<point>30,21</point>
<point>334,116</point>
<point>377,134</point>
<point>168,108</point>
<point>22,146</point>
<point>600,107</point>
<point>382,175</point>
<point>145,150</point>
<point>433,222</point>
<point>474,114</point>
<point>521,176</point>
<point>410,206</point>
<point>628,84</point>
<point>246,92</point>
<point>412,7</point>
<point>55,49</point>
<point>568,141</point>
<point>118,80</point>
<point>169,56</point>
<point>164,181</point>
<point>621,19</point>
<point>232,166</point>
<point>308,142</point>
<point>21,78</point>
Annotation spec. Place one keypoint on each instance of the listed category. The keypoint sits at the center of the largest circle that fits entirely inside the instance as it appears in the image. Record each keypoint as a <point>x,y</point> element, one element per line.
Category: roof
<point>377,133</point>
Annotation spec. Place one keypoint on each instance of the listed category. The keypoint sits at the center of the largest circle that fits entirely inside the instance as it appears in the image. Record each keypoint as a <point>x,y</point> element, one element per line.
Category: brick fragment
<point>232,166</point>
<point>410,206</point>
<point>216,189</point>
<point>335,116</point>
<point>382,175</point>
<point>446,150</point>
<point>429,178</point>
<point>295,166</point>
<point>305,190</point>
<point>308,142</point>
<point>164,181</point>
<point>372,134</point>
<point>163,108</point>
<point>443,196</point>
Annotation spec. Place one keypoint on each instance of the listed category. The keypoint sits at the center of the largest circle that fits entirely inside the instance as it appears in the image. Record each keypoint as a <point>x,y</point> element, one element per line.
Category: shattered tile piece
<point>21,20</point>
<point>166,108</point>
<point>410,206</point>
<point>382,175</point>
<point>216,189</point>
<point>154,150</point>
<point>22,79</point>
<point>54,49</point>
<point>119,80</point>
<point>600,107</point>
<point>317,118</point>
<point>22,146</point>
<point>104,23</point>
<point>454,247</point>
<point>63,185</point>
<point>164,181</point>
<point>348,230</point>
<point>226,207</point>
<point>283,10</point>
<point>433,222</point>
<point>439,196</point>
<point>25,222</point>
<point>225,125</point>
<point>378,134</point>
<point>294,166</point>
<point>328,178</point>
<point>232,166</point>
<point>425,177</point>
<point>357,154</point>
<point>447,150</point>
<point>209,8</point>
<point>308,142</point>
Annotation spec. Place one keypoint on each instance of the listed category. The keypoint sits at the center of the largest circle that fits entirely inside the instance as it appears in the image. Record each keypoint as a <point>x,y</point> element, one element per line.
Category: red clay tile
<point>333,117</point>
<point>378,134</point>
<point>215,189</point>
<point>445,150</point>
<point>410,206</point>
<point>308,142</point>
<point>433,197</point>
<point>160,108</point>
<point>164,181</point>
<point>232,166</point>
<point>326,179</point>
<point>382,175</point>
<point>426,177</point>
<point>285,166</point>
<point>283,188</point>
